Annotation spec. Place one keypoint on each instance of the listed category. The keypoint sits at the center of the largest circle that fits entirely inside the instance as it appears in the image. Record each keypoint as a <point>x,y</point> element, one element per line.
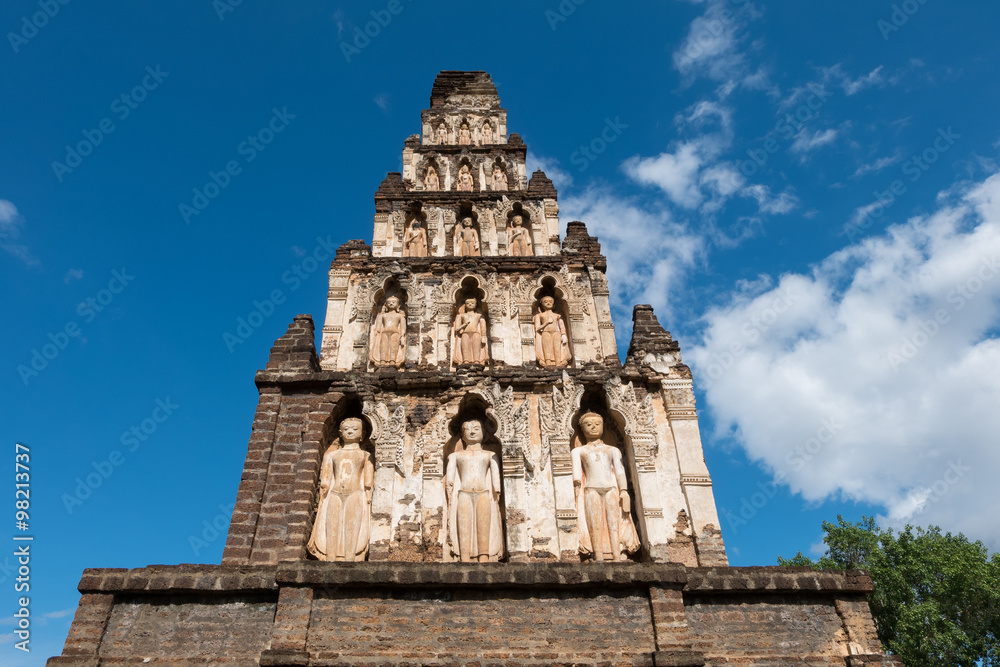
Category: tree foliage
<point>937,596</point>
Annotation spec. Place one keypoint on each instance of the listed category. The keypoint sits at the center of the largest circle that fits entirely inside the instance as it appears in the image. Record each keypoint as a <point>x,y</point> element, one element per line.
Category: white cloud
<point>807,142</point>
<point>675,173</point>
<point>875,377</point>
<point>877,165</point>
<point>72,274</point>
<point>382,101</point>
<point>853,86</point>
<point>649,252</point>
<point>711,47</point>
<point>550,166</point>
<point>10,229</point>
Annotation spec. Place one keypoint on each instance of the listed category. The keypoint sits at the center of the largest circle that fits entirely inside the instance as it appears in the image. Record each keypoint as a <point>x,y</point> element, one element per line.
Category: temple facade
<point>466,472</point>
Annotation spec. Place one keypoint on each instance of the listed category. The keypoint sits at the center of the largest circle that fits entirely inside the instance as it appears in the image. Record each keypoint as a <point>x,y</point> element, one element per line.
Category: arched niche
<point>470,335</point>
<point>564,356</point>
<point>463,243</point>
<point>422,173</point>
<point>318,545</point>
<point>387,336</point>
<point>594,400</point>
<point>525,247</point>
<point>499,175</point>
<point>415,244</point>
<point>472,407</point>
<point>460,183</point>
<point>464,130</point>
<point>484,136</point>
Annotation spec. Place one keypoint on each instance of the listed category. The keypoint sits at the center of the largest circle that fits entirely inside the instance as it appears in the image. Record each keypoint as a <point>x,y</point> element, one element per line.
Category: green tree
<point>937,596</point>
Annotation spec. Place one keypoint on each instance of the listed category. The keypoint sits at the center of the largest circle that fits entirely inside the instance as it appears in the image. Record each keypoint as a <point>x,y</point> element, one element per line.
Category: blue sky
<point>845,350</point>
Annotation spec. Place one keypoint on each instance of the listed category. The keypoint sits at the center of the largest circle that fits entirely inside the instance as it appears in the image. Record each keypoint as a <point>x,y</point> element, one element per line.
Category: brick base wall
<point>310,613</point>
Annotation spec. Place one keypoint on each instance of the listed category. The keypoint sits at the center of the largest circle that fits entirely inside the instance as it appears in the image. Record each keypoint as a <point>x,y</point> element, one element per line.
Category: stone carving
<point>442,134</point>
<point>604,508</point>
<point>499,179</point>
<point>470,335</point>
<point>520,238</point>
<point>640,420</point>
<point>512,427</point>
<point>464,135</point>
<point>551,340</point>
<point>343,517</point>
<point>472,486</point>
<point>464,179</point>
<point>442,296</point>
<point>466,239</point>
<point>415,240</point>
<point>388,433</point>
<point>428,448</point>
<point>387,343</point>
<point>361,304</point>
<point>578,290</point>
<point>431,180</point>
<point>486,133</point>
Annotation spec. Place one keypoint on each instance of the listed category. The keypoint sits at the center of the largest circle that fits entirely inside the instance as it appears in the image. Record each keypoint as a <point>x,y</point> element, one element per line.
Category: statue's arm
<point>622,480</point>
<point>577,468</point>
<point>369,476</point>
<point>449,477</point>
<point>495,475</point>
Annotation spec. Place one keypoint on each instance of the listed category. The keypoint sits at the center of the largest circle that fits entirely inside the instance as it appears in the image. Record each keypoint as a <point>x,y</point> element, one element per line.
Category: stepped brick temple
<point>466,473</point>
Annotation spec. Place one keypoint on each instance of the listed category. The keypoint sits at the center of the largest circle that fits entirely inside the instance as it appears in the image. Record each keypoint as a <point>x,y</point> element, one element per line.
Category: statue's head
<point>466,222</point>
<point>416,222</point>
<point>548,303</point>
<point>470,304</point>
<point>517,221</point>
<point>392,303</point>
<point>351,430</point>
<point>431,170</point>
<point>592,425</point>
<point>472,432</point>
<point>465,126</point>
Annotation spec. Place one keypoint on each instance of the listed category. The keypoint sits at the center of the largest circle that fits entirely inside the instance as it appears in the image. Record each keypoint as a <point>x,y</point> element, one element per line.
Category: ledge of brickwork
<point>775,579</point>
<point>874,661</point>
<point>481,575</point>
<point>173,578</point>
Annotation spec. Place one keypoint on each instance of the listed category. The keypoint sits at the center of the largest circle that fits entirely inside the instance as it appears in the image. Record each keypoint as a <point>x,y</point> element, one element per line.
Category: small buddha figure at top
<point>520,238</point>
<point>431,180</point>
<point>499,179</point>
<point>464,135</point>
<point>486,133</point>
<point>442,134</point>
<point>466,240</point>
<point>464,179</point>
